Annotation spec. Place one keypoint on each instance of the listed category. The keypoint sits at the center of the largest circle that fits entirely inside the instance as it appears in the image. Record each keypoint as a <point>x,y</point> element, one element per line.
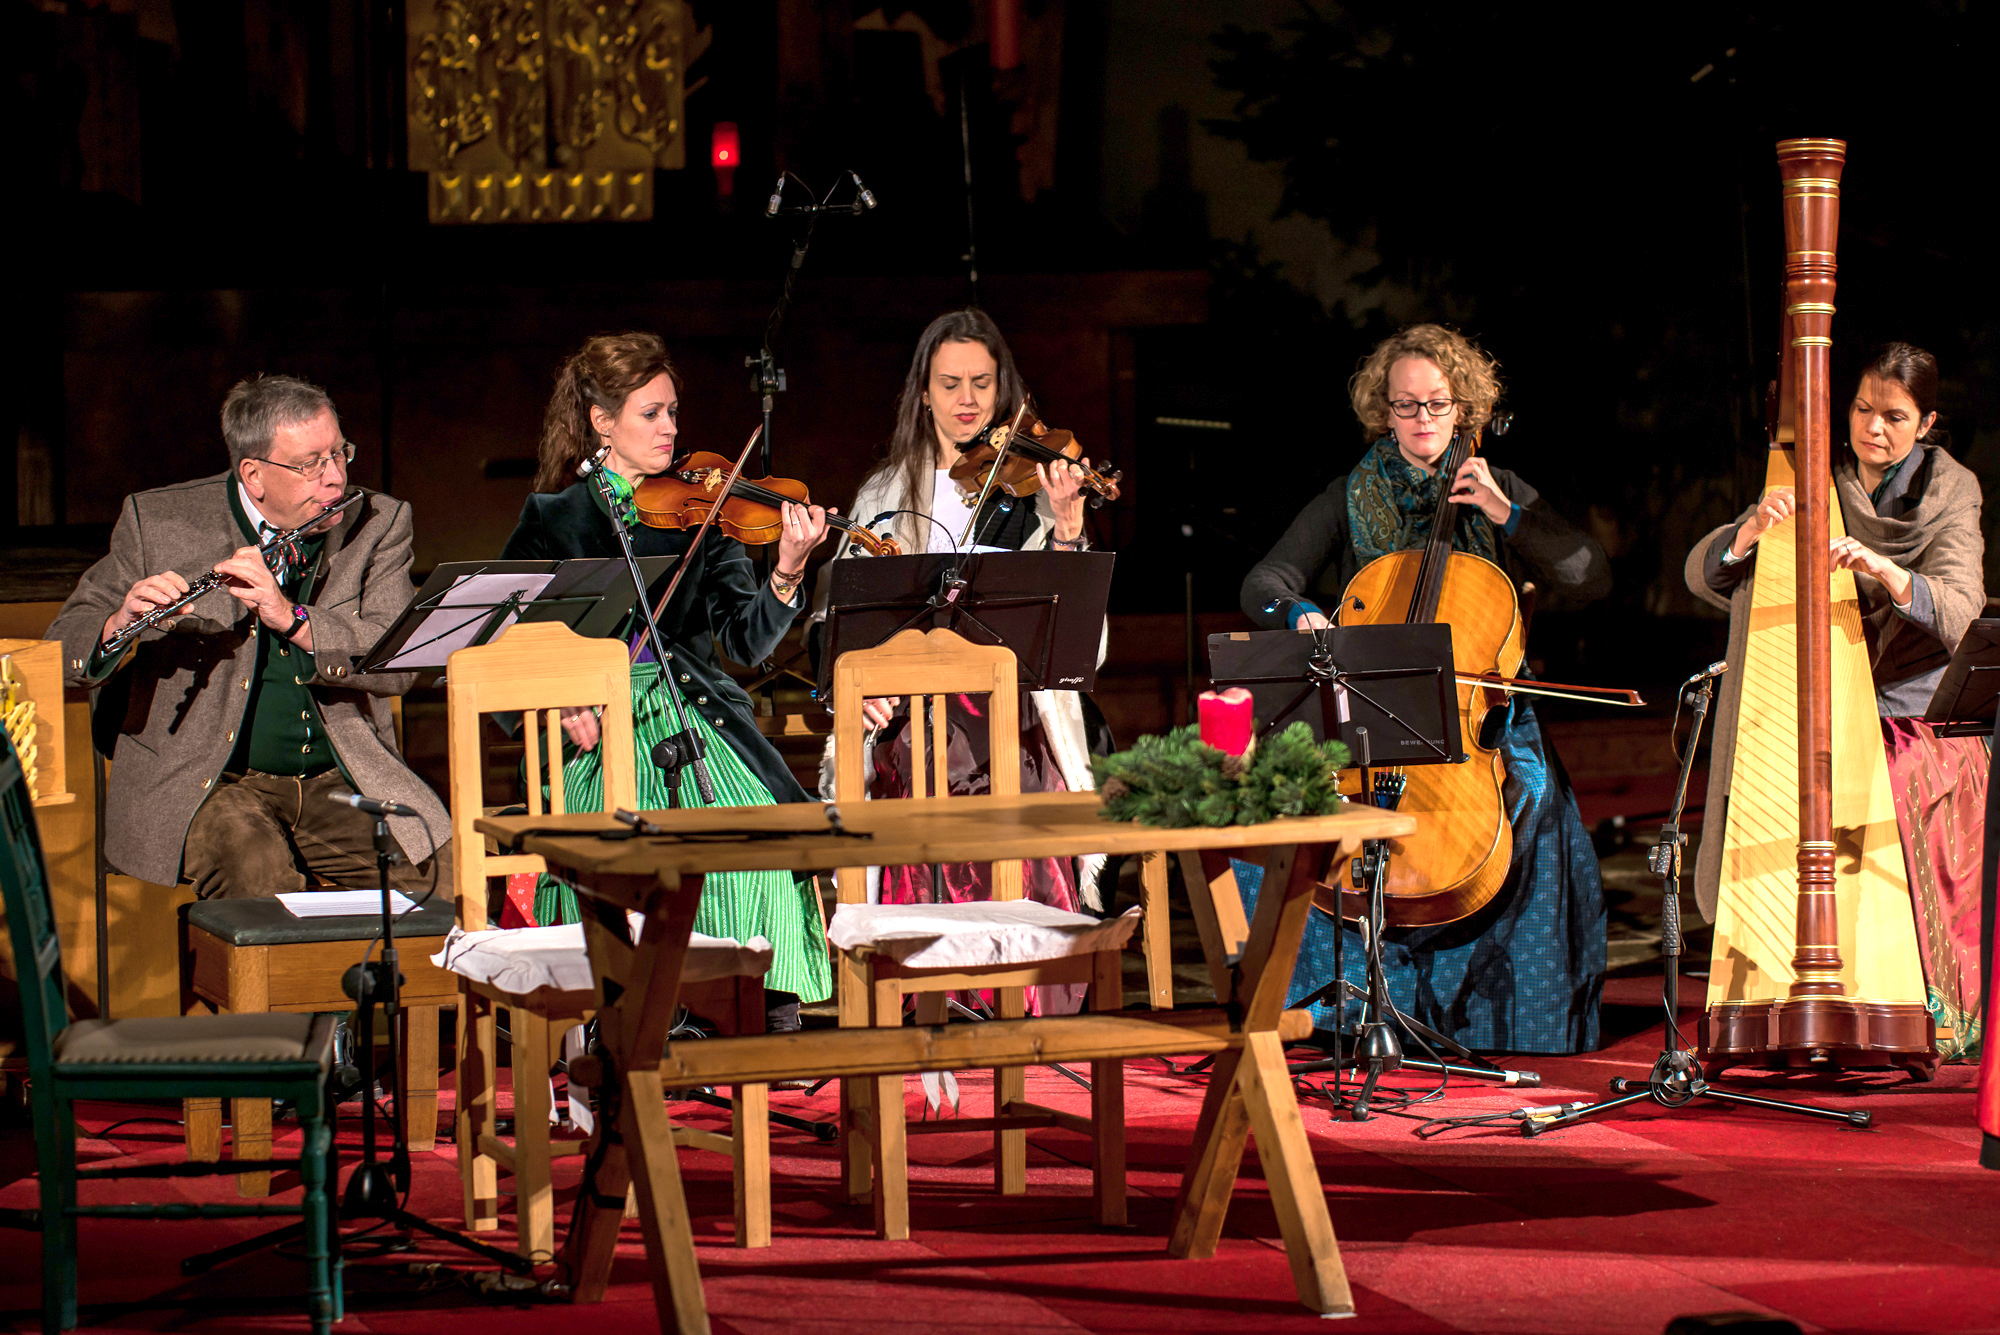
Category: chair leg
<point>887,1141</point>
<point>750,1136</point>
<point>315,1139</point>
<point>203,1129</point>
<point>420,1077</point>
<point>250,1138</point>
<point>55,1160</point>
<point>1010,1086</point>
<point>534,1197</point>
<point>856,1093</point>
<point>478,1174</point>
<point>1107,1097</point>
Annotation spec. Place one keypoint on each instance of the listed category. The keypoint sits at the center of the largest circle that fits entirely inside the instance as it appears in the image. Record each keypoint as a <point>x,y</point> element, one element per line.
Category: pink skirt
<point>1940,791</point>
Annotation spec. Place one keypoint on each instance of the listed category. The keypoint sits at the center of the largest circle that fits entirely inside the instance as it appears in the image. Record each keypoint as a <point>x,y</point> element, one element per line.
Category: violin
<point>1014,450</point>
<point>751,512</point>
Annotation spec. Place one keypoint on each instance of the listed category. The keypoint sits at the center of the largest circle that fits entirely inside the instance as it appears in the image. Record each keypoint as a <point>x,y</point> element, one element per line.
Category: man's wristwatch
<point>298,622</point>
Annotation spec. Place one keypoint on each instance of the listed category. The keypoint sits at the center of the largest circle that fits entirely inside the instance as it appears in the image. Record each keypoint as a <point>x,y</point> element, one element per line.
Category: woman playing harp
<point>1913,541</point>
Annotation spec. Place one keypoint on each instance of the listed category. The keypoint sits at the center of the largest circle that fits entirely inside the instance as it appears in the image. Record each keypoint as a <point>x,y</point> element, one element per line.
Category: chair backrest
<point>24,889</point>
<point>927,668</point>
<point>537,670</point>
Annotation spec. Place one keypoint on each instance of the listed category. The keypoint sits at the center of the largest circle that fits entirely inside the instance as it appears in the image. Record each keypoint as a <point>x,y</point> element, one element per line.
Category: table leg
<point>663,1212</point>
<point>1296,1195</point>
<point>1251,1089</point>
<point>633,1015</point>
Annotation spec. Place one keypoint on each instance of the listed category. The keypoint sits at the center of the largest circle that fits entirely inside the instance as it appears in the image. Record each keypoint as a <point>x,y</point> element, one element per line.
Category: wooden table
<point>1250,964</point>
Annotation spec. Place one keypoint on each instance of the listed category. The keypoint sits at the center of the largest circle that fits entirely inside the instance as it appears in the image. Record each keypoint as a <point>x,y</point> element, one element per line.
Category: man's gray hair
<point>255,409</point>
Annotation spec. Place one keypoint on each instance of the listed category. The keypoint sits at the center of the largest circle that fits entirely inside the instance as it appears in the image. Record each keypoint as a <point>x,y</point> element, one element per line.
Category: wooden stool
<point>251,956</point>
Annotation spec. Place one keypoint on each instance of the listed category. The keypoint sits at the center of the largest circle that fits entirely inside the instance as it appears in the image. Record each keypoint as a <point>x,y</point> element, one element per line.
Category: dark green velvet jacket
<point>720,605</point>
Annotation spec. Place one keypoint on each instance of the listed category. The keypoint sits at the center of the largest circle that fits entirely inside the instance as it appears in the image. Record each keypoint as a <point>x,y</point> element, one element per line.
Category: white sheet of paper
<point>456,619</point>
<point>343,903</point>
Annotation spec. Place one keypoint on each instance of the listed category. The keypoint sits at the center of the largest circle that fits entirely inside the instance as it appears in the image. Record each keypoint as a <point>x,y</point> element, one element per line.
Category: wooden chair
<point>202,1057</point>
<point>537,670</point>
<point>930,667</point>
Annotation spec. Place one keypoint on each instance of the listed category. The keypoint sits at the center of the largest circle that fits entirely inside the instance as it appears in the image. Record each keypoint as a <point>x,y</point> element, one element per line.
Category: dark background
<point>1204,211</point>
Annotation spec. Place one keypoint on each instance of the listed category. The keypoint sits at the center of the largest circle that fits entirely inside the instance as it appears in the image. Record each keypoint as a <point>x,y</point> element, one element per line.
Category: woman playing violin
<point>1523,973</point>
<point>619,395</point>
<point>962,380</point>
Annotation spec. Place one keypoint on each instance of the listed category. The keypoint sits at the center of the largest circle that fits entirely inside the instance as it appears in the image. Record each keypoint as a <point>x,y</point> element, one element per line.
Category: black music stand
<point>1048,607</point>
<point>1964,703</point>
<point>1390,693</point>
<point>465,603</point>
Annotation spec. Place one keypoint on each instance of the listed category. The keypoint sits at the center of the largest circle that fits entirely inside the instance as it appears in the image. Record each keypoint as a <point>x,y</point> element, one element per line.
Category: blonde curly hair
<point>1473,375</point>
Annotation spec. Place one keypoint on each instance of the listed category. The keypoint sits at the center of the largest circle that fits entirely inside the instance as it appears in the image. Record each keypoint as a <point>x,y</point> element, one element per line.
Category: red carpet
<point>1616,1226</point>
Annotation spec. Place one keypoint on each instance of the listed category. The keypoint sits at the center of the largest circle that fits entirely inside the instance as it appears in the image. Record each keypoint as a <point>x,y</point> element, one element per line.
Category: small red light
<point>724,149</point>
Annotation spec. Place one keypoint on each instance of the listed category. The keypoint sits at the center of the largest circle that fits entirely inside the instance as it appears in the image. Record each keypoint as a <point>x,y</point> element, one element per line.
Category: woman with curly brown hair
<point>619,394</point>
<point>1524,973</point>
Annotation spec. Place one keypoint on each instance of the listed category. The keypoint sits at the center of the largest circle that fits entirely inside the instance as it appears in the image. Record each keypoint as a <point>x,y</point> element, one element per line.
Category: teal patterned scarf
<point>1390,504</point>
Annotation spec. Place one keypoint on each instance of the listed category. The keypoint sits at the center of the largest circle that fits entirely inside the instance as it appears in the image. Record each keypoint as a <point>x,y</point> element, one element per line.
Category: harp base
<point>1818,1033</point>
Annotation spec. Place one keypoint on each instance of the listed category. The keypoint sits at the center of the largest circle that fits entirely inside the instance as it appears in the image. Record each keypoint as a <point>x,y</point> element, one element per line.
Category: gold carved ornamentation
<point>547,110</point>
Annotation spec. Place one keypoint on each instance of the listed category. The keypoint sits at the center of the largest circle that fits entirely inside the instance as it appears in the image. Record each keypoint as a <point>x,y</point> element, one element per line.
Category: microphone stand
<point>683,747</point>
<point>372,1189</point>
<point>767,380</point>
<point>1676,1079</point>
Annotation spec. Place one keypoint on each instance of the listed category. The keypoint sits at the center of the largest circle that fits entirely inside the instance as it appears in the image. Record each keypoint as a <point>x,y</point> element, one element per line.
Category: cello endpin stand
<point>1379,1046</point>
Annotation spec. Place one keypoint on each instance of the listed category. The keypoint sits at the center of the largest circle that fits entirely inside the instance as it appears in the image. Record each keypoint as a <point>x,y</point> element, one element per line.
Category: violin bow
<point>1593,695</point>
<point>993,469</point>
<point>702,532</point>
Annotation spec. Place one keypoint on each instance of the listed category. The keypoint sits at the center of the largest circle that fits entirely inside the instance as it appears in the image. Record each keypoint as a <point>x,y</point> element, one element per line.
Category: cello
<point>1458,858</point>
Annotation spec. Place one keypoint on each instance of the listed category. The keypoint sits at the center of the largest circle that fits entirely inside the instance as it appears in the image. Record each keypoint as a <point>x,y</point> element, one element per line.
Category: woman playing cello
<point>1524,972</point>
<point>621,391</point>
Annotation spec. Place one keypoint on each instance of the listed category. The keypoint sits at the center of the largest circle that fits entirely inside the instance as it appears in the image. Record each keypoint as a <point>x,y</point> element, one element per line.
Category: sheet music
<point>462,611</point>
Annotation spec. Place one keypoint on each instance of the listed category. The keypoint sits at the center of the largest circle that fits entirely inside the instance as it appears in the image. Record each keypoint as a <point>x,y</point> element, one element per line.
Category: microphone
<point>1714,669</point>
<point>867,195</point>
<point>777,197</point>
<point>374,806</point>
<point>593,463</point>
<point>886,514</point>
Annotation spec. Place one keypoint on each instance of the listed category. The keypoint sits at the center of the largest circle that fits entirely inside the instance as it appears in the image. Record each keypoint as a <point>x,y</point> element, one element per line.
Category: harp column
<point>1810,169</point>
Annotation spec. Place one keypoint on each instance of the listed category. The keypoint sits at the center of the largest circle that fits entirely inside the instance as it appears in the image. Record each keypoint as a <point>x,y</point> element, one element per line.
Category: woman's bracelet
<point>785,585</point>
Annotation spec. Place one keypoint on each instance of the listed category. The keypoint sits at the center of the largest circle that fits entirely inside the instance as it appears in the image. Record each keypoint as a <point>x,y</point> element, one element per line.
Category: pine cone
<point>1114,790</point>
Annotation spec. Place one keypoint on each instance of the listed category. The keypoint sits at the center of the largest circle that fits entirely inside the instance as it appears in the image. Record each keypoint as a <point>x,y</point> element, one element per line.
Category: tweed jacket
<point>722,603</point>
<point>177,699</point>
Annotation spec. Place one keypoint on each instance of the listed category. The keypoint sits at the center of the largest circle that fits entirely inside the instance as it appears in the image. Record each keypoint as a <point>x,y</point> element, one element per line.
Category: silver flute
<point>211,581</point>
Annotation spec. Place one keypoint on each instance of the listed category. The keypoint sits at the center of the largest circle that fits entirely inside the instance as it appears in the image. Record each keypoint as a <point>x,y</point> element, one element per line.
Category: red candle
<point>1226,722</point>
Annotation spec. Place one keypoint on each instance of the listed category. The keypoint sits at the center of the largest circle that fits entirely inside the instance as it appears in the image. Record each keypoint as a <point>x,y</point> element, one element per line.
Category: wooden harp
<point>1815,960</point>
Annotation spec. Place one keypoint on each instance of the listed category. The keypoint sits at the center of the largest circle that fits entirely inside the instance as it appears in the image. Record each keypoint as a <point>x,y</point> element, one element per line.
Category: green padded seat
<point>273,1040</point>
<point>267,922</point>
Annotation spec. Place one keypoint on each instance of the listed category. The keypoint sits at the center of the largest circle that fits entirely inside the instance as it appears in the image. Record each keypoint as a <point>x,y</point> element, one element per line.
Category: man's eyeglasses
<point>313,471</point>
<point>1408,407</point>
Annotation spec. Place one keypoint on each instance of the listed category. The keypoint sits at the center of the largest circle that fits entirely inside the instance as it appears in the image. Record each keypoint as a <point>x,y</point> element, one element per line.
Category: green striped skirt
<point>775,905</point>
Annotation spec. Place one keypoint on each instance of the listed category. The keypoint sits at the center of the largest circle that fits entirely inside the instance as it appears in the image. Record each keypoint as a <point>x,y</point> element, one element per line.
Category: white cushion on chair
<point>522,959</point>
<point>958,936</point>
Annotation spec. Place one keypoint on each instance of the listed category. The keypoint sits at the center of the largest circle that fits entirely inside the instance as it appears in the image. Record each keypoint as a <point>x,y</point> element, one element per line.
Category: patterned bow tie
<point>282,558</point>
